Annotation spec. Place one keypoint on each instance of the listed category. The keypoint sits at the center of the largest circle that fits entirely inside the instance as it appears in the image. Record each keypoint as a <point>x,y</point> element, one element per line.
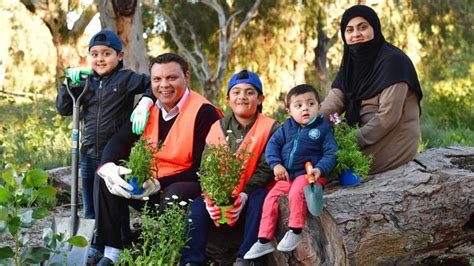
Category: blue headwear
<point>107,38</point>
<point>245,76</point>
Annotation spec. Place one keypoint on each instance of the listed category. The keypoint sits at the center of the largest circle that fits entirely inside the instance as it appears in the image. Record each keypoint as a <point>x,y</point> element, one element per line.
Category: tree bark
<point>320,52</point>
<point>54,15</point>
<point>421,213</point>
<point>125,18</point>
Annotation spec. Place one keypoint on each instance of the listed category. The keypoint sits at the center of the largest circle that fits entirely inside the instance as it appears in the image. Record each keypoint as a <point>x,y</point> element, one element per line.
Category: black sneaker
<point>105,261</point>
<point>94,255</point>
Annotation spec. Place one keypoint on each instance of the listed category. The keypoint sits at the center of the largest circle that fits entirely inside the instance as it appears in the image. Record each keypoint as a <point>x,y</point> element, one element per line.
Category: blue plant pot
<point>348,178</point>
<point>137,189</point>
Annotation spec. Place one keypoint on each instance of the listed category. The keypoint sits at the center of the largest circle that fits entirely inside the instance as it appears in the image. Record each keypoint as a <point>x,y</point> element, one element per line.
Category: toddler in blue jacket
<point>305,136</point>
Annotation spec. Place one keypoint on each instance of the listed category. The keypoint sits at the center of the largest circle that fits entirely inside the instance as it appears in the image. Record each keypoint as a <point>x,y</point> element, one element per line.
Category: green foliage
<point>140,161</point>
<point>34,133</point>
<point>25,197</point>
<point>434,135</point>
<point>220,172</point>
<point>348,153</point>
<point>162,237</point>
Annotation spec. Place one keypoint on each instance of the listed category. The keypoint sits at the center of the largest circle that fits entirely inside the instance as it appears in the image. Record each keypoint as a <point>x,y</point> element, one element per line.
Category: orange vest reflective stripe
<point>176,153</point>
<point>254,142</point>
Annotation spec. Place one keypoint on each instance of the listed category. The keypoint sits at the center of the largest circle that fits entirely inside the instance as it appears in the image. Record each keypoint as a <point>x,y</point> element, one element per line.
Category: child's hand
<point>316,174</point>
<point>77,75</point>
<point>280,173</point>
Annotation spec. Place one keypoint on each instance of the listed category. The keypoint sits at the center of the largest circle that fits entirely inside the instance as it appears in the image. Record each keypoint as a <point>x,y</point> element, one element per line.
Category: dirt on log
<point>421,213</point>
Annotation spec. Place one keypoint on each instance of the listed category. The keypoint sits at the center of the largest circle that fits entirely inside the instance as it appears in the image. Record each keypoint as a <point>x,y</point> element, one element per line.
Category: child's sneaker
<point>94,255</point>
<point>290,241</point>
<point>258,249</point>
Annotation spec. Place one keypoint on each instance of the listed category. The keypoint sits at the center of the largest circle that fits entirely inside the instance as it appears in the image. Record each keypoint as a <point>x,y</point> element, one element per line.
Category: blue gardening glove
<point>77,75</point>
<point>139,117</point>
<point>234,213</point>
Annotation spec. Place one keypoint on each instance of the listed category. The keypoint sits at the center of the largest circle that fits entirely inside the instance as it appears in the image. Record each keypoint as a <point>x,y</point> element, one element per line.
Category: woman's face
<point>358,30</point>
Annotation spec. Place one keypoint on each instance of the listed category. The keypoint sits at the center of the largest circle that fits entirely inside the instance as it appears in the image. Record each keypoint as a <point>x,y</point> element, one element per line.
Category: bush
<point>348,152</point>
<point>162,237</point>
<point>34,133</point>
<point>141,161</point>
<point>220,172</point>
<point>448,113</point>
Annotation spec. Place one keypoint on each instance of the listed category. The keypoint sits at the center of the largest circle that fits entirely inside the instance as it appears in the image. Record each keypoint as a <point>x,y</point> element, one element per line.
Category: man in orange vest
<point>244,127</point>
<point>181,120</point>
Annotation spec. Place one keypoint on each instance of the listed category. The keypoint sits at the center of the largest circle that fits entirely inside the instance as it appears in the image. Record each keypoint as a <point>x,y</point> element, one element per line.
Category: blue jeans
<point>88,167</point>
<point>195,252</point>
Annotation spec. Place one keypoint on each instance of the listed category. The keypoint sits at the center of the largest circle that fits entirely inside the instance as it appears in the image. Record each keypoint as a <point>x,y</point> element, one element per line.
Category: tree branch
<point>333,39</point>
<point>246,20</point>
<point>198,51</point>
<point>29,5</point>
<point>181,46</point>
<point>84,20</point>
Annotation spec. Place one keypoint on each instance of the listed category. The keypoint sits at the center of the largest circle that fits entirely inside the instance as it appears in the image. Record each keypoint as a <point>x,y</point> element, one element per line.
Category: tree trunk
<point>54,15</point>
<point>320,60</point>
<point>125,18</point>
<point>210,90</point>
<point>419,213</point>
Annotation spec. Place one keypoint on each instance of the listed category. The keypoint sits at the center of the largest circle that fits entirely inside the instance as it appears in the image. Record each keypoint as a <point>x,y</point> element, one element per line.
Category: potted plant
<point>141,162</point>
<point>220,174</point>
<point>351,163</point>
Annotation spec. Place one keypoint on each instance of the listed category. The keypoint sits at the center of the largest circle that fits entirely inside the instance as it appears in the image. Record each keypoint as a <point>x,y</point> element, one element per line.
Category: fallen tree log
<point>420,213</point>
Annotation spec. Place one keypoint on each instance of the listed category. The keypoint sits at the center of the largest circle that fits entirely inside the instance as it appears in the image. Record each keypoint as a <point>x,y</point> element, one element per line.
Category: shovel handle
<point>308,166</point>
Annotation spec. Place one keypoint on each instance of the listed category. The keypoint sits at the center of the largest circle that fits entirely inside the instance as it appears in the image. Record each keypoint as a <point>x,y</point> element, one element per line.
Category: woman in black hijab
<point>377,87</point>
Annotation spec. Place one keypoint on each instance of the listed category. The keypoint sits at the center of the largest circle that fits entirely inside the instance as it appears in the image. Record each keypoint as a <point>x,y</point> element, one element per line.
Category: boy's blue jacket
<point>105,107</point>
<point>293,145</point>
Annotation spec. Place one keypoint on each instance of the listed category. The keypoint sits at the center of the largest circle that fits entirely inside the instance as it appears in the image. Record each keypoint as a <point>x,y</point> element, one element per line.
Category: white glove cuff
<point>145,103</point>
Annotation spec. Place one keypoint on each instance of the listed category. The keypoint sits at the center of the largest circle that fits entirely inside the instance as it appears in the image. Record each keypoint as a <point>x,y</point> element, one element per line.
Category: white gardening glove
<point>111,173</point>
<point>234,213</point>
<point>140,114</point>
<point>150,187</point>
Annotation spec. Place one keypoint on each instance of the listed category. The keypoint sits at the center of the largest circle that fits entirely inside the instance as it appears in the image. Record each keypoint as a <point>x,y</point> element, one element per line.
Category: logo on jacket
<point>314,134</point>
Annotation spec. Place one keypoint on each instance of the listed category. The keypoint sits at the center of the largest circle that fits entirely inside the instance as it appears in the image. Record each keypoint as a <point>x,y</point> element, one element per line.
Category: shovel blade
<point>314,199</point>
<point>85,228</point>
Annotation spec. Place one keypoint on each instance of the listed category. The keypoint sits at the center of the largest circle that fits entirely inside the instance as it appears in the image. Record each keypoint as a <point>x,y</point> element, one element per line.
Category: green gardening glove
<point>139,117</point>
<point>77,75</point>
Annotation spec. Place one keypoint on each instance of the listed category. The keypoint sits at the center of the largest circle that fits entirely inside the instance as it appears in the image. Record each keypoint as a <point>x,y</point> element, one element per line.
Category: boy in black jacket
<point>105,107</point>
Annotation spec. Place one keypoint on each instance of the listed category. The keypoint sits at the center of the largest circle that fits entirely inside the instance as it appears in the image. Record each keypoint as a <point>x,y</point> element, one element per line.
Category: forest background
<point>287,42</point>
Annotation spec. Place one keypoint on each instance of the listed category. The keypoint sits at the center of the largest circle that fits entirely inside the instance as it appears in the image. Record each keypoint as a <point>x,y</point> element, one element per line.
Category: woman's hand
<point>280,173</point>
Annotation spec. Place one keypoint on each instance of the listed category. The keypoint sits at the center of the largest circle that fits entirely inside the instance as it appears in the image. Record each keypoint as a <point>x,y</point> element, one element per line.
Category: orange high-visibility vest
<point>254,142</point>
<point>176,153</point>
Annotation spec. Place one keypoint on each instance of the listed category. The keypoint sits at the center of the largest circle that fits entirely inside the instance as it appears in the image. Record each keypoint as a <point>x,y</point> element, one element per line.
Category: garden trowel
<point>74,225</point>
<point>312,193</point>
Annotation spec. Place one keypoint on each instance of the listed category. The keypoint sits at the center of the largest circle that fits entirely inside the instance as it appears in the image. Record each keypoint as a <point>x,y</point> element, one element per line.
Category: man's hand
<point>234,213</point>
<point>280,173</point>
<point>77,75</point>
<point>150,187</point>
<point>140,114</point>
<point>111,173</point>
<point>214,211</point>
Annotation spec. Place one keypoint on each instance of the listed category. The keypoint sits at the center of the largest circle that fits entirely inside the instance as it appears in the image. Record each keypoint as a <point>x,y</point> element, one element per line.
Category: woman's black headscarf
<point>368,68</point>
